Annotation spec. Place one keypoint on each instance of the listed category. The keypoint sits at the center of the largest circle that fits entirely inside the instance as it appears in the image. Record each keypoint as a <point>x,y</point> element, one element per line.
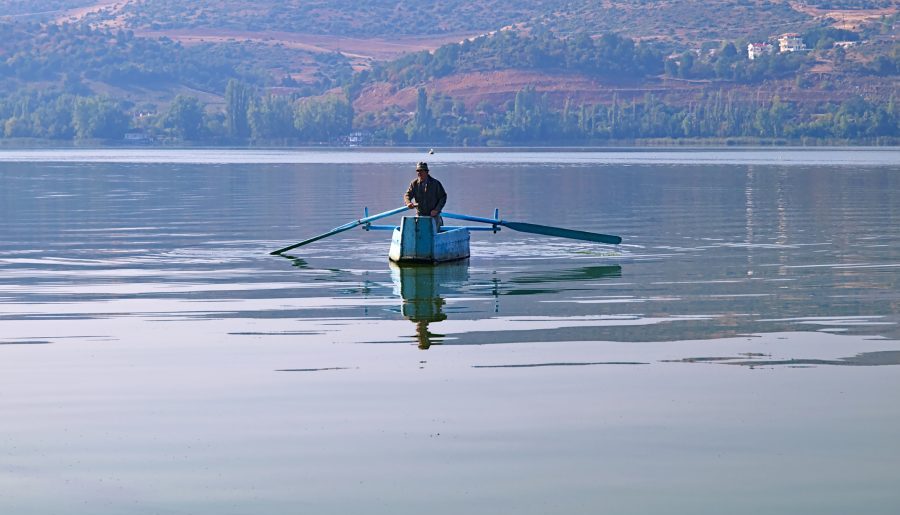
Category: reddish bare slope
<point>496,87</point>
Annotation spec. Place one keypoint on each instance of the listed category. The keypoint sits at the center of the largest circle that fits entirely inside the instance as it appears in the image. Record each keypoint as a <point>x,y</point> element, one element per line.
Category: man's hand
<point>410,205</point>
<point>434,212</point>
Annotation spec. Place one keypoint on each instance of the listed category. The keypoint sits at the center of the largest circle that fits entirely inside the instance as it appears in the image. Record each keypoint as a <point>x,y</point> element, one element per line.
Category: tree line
<point>248,117</point>
<point>530,118</point>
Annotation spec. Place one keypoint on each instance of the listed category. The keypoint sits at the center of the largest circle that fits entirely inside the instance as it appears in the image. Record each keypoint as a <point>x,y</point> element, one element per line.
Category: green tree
<point>671,67</point>
<point>323,119</point>
<point>774,121</point>
<point>685,64</point>
<point>238,99</point>
<point>185,118</point>
<point>54,118</point>
<point>728,52</point>
<point>99,117</point>
<point>421,127</point>
<point>272,117</point>
<point>16,128</point>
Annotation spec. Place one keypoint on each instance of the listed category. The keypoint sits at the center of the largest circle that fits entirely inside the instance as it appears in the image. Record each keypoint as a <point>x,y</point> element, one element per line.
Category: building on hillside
<point>791,42</point>
<point>755,50</point>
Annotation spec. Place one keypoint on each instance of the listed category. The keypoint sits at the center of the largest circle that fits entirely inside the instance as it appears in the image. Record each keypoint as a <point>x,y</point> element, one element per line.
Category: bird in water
<point>431,151</point>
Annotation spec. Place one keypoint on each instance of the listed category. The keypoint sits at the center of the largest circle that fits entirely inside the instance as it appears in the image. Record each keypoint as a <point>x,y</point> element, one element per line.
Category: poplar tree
<point>238,99</point>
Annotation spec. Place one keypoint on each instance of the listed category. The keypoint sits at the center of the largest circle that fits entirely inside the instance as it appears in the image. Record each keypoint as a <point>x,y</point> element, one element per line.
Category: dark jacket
<point>429,195</point>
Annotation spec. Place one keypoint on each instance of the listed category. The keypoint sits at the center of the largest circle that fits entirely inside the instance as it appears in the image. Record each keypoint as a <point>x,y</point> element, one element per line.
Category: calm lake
<point>738,353</point>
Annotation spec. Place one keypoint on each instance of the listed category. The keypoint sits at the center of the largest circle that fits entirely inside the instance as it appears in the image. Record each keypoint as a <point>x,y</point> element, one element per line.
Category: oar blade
<point>316,238</point>
<point>340,229</point>
<point>547,230</point>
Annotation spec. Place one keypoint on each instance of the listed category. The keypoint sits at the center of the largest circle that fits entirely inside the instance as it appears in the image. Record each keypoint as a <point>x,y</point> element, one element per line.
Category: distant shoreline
<point>34,143</point>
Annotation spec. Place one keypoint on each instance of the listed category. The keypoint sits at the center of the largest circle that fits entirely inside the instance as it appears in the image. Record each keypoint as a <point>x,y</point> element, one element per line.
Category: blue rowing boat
<point>419,240</point>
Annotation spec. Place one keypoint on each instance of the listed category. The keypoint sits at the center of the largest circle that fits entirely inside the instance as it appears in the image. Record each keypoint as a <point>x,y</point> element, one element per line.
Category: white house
<point>791,42</point>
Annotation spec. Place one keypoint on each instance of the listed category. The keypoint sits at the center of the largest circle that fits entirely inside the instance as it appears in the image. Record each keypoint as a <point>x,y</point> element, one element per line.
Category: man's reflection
<point>420,287</point>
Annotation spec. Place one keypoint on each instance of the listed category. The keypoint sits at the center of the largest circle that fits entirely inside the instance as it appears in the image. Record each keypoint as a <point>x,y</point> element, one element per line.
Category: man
<point>428,194</point>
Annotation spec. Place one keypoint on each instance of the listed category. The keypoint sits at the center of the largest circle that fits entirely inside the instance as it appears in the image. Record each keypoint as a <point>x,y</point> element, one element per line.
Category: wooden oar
<point>342,228</point>
<point>541,229</point>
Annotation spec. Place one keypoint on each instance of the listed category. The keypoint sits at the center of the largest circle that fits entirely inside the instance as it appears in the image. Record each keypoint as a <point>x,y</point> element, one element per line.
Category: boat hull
<point>417,240</point>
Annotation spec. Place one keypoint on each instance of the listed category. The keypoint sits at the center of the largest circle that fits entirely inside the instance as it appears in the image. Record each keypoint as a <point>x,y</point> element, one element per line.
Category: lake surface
<point>737,353</point>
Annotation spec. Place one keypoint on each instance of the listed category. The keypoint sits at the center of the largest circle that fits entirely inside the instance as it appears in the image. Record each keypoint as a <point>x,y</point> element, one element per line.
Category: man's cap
<point>422,166</point>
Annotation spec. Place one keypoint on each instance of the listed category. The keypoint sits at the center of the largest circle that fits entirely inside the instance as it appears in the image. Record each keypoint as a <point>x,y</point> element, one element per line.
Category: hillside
<point>471,61</point>
<point>346,25</point>
<point>370,31</point>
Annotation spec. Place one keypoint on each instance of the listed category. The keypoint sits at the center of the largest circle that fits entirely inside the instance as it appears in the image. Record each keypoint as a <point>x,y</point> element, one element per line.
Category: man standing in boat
<point>426,194</point>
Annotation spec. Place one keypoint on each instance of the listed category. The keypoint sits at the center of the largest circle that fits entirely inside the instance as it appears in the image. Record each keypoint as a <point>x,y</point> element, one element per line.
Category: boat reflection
<point>421,288</point>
